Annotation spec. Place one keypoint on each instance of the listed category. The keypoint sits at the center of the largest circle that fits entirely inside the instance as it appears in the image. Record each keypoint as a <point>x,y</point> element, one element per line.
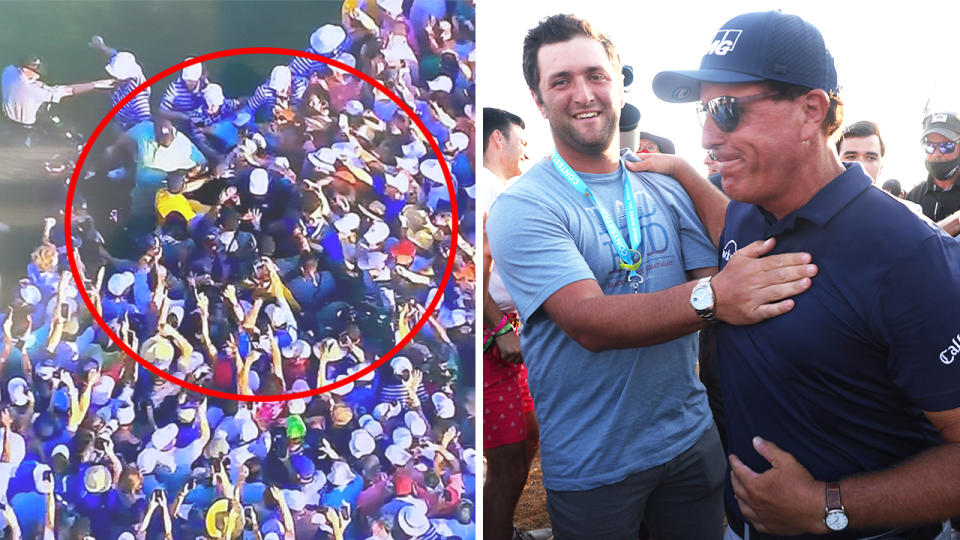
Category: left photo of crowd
<point>255,319</point>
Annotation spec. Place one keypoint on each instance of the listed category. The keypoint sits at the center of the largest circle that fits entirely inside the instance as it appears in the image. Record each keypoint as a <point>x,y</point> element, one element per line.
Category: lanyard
<point>633,221</point>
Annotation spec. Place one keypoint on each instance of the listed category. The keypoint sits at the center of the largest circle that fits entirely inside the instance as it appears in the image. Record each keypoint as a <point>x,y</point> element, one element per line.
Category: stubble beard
<point>565,131</point>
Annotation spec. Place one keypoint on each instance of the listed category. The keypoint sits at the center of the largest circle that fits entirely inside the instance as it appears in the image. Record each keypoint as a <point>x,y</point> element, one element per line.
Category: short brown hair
<point>833,120</point>
<point>558,29</point>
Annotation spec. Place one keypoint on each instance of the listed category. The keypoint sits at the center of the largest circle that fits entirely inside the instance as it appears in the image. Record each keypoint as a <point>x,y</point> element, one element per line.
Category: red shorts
<point>506,399</point>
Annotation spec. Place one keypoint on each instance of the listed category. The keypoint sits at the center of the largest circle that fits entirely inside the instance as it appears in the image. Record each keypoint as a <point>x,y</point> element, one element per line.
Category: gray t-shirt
<point>603,416</point>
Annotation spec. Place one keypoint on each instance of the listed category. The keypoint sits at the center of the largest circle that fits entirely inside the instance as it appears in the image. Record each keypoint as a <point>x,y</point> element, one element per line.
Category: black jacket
<point>936,203</point>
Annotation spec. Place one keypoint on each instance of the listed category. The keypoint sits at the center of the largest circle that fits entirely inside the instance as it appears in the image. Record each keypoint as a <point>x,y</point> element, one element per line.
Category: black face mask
<point>943,170</point>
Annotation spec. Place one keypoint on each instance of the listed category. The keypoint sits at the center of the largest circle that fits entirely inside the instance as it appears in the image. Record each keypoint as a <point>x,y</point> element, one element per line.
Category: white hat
<point>282,162</point>
<point>213,95</point>
<point>348,59</point>
<point>443,404</point>
<point>43,486</point>
<point>126,415</point>
<point>119,283</point>
<point>370,424</point>
<point>361,443</point>
<point>442,83</point>
<point>366,377</point>
<point>103,390</point>
<point>327,39</point>
<point>164,437</point>
<point>60,450</point>
<point>345,389</point>
<point>97,479</point>
<point>296,406</point>
<point>451,318</point>
<point>194,362</point>
<point>123,65</point>
<point>45,372</point>
<point>127,535</point>
<point>432,170</point>
<point>397,456</point>
<point>301,385</point>
<point>401,364</point>
<point>253,381</point>
<point>322,160</point>
<point>353,107</point>
<point>147,460</point>
<point>416,423</point>
<point>280,78</point>
<point>400,182</point>
<point>272,535</point>
<point>469,457</point>
<point>414,149</point>
<point>30,294</point>
<point>378,232</point>
<point>340,474</point>
<point>259,181</point>
<point>192,72</point>
<point>159,351</point>
<point>248,431</point>
<point>296,349</point>
<point>386,411</point>
<point>347,223</point>
<point>411,165</point>
<point>459,140</point>
<point>17,390</point>
<point>177,311</point>
<point>296,499</point>
<point>413,520</point>
<point>402,437</point>
<point>276,315</point>
<point>393,7</point>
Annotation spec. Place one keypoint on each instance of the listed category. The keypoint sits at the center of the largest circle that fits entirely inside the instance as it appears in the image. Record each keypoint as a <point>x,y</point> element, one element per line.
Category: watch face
<point>702,297</point>
<point>836,520</point>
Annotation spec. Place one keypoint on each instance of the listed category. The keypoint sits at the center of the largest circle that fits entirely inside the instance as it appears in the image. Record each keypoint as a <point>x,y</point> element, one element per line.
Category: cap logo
<point>725,42</point>
<point>937,118</point>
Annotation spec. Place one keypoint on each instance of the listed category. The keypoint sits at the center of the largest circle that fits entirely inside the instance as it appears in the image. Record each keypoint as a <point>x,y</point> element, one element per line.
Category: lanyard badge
<point>630,256</point>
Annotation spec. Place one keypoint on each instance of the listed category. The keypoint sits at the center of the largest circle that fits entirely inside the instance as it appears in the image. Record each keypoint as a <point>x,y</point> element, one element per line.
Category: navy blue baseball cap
<point>755,47</point>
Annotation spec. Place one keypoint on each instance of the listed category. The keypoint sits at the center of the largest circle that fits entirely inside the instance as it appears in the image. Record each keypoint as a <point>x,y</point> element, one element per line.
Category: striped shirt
<point>265,96</point>
<point>304,67</point>
<point>137,109</point>
<point>390,393</point>
<point>179,98</point>
<point>200,117</point>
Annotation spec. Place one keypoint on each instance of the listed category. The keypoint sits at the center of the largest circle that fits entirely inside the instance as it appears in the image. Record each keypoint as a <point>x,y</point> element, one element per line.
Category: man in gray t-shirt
<point>603,291</point>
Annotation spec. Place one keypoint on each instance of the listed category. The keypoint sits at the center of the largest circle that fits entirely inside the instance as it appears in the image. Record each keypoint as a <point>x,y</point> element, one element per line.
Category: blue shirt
<point>625,410</point>
<point>841,380</point>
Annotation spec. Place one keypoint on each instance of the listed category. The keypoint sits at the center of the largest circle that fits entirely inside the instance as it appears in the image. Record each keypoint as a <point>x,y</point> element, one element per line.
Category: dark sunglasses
<point>945,147</point>
<point>726,110</point>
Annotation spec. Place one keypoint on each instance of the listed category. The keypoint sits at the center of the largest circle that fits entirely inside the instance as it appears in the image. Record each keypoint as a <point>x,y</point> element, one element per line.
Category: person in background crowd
<point>297,261</point>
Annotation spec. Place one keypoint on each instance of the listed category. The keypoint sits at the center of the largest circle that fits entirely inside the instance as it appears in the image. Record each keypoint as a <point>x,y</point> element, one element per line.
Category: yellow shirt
<point>168,202</point>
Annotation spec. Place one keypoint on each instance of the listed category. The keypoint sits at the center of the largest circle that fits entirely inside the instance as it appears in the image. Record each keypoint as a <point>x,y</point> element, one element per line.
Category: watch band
<point>833,496</point>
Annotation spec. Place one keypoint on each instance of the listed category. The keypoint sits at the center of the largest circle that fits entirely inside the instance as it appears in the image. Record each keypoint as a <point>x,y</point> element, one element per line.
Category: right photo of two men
<point>721,273</point>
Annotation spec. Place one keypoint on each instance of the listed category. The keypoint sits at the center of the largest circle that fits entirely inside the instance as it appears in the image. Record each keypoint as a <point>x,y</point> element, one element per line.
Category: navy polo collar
<point>827,202</point>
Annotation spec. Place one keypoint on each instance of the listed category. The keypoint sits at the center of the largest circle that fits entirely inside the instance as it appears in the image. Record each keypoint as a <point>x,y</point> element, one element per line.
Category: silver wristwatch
<point>701,298</point>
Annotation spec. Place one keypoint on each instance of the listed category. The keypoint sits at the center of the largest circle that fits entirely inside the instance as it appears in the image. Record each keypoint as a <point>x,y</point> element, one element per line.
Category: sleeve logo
<point>948,355</point>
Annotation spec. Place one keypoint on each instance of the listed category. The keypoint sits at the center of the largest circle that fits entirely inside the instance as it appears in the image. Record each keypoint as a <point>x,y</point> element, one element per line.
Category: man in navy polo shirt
<point>856,389</point>
<point>608,338</point>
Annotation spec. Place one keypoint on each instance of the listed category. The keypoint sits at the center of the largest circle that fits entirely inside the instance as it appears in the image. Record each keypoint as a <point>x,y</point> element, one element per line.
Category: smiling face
<point>581,94</point>
<point>758,158</point>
